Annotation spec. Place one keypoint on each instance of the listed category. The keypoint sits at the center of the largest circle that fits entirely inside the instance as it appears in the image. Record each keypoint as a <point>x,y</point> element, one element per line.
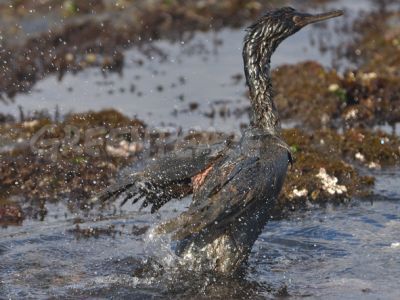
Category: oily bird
<point>235,186</point>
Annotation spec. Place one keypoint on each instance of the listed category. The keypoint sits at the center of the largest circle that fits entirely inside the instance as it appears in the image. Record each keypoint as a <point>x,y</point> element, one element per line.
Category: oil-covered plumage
<point>234,188</point>
<point>167,178</point>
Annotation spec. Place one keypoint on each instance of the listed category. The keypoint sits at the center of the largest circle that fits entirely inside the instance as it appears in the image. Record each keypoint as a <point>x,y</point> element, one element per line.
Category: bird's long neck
<point>257,54</point>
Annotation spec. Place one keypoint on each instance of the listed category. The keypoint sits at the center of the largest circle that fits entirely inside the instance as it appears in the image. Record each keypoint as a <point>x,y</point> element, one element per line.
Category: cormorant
<point>234,187</point>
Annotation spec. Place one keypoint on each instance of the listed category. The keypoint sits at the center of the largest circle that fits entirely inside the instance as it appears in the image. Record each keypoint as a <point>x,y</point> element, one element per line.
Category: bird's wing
<point>234,184</point>
<point>165,178</point>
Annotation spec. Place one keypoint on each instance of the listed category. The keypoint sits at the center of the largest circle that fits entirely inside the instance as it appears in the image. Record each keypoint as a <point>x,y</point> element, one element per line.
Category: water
<point>346,252</point>
<point>340,253</point>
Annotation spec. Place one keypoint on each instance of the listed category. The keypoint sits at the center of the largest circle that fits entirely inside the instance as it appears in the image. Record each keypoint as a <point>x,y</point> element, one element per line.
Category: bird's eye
<point>296,19</point>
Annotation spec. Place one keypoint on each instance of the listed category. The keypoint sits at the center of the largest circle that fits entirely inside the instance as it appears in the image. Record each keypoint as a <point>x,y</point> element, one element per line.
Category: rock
<point>11,214</point>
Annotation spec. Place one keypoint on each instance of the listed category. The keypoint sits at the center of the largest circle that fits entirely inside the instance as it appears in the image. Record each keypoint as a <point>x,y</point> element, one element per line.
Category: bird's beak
<point>302,20</point>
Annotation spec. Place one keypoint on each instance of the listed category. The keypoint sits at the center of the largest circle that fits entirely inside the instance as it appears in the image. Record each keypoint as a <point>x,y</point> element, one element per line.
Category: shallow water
<point>347,252</point>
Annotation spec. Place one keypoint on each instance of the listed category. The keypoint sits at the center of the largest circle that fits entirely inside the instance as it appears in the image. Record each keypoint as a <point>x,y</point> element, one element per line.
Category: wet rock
<point>5,118</point>
<point>323,170</point>
<point>94,232</point>
<point>375,45</point>
<point>109,117</point>
<point>10,214</point>
<point>323,98</point>
<point>136,230</point>
<point>149,268</point>
<point>193,106</point>
<point>306,96</point>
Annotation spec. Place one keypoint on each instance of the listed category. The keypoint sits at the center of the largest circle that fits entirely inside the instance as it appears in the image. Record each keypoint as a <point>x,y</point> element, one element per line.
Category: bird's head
<point>279,24</point>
